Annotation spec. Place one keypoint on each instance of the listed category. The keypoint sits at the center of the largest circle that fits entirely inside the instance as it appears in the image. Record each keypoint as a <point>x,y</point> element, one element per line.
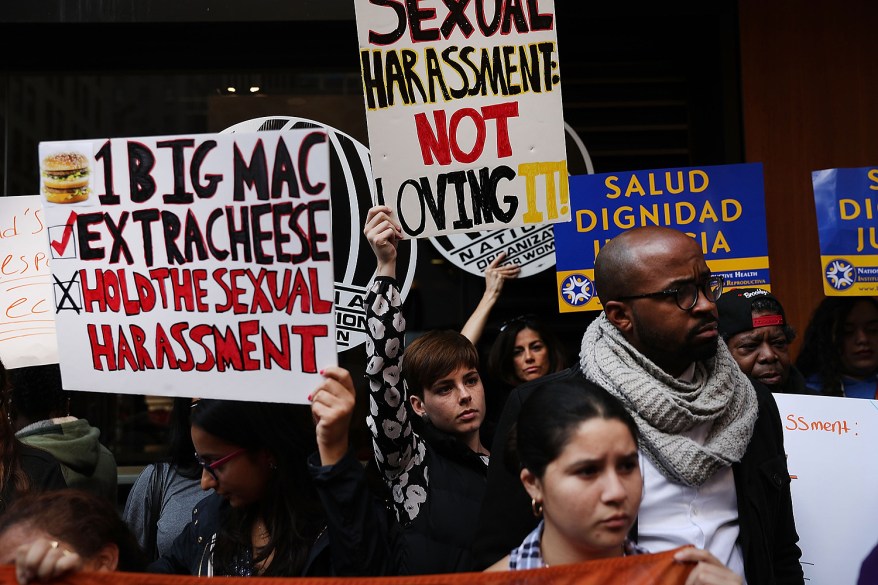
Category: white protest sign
<point>352,195</point>
<point>196,265</point>
<point>27,325</point>
<point>463,105</point>
<point>830,444</point>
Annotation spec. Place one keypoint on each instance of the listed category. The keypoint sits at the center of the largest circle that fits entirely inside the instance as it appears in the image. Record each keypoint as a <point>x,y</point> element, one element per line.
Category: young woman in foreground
<point>577,448</point>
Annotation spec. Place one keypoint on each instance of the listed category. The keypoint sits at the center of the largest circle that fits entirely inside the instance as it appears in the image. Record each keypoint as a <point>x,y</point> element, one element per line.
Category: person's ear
<point>105,561</point>
<point>532,484</point>
<point>619,315</point>
<point>418,405</point>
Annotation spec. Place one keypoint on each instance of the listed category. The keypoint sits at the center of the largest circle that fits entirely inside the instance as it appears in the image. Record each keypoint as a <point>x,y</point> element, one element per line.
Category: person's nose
<point>614,489</point>
<point>766,354</point>
<point>528,355</point>
<point>464,395</point>
<point>704,304</point>
<point>207,480</point>
<point>860,336</point>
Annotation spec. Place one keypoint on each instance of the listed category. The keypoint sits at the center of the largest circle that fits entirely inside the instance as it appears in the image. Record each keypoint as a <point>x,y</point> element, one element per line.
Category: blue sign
<point>846,202</point>
<point>721,207</point>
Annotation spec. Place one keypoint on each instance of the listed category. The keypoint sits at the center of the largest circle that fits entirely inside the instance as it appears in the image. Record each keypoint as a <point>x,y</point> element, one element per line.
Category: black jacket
<point>439,539</point>
<point>42,470</point>
<point>768,534</point>
<point>356,542</point>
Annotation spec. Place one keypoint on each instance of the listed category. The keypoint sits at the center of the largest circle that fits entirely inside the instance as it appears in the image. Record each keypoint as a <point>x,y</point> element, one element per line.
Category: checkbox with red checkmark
<point>61,238</point>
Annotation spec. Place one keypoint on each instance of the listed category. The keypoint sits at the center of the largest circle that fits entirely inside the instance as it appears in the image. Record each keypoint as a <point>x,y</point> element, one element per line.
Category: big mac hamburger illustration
<point>65,177</point>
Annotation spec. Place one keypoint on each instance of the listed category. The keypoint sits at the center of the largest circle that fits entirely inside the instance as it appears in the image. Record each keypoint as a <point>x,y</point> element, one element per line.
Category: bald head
<point>622,261</point>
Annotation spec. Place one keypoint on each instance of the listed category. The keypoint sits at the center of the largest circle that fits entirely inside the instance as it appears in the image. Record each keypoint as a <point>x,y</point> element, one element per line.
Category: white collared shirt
<point>673,514</point>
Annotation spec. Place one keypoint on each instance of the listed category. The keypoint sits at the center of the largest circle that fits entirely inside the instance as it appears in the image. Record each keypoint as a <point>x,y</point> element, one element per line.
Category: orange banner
<point>648,569</point>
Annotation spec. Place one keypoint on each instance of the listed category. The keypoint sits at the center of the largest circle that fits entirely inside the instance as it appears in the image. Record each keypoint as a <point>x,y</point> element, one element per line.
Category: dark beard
<point>705,351</point>
<point>661,350</point>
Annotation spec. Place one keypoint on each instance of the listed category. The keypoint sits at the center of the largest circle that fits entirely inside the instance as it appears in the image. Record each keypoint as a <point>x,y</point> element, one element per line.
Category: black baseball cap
<point>735,308</point>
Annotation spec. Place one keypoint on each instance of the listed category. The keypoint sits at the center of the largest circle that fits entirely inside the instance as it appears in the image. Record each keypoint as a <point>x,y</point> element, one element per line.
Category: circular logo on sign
<point>532,248</point>
<point>840,274</point>
<point>577,290</point>
<point>354,263</point>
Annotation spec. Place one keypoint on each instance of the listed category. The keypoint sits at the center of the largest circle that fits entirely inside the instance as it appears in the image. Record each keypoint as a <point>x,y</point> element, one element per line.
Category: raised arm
<point>357,531</point>
<point>399,452</point>
<point>496,274</point>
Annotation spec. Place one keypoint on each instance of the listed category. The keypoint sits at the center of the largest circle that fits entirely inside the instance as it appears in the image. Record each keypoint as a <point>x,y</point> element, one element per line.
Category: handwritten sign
<point>198,265</point>
<point>464,113</point>
<point>846,202</point>
<point>830,444</point>
<point>27,325</point>
<point>355,263</point>
<point>721,207</point>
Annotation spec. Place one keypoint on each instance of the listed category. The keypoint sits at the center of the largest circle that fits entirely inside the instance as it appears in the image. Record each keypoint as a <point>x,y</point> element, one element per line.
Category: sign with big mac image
<point>199,264</point>
<point>65,172</point>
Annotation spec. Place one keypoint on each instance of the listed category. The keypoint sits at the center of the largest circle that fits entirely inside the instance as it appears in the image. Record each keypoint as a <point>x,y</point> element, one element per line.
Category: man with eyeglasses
<point>713,461</point>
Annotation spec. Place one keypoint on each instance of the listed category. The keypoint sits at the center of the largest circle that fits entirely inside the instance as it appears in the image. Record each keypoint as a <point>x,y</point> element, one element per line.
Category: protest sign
<point>353,193</point>
<point>846,201</point>
<point>830,445</point>
<point>194,265</point>
<point>721,207</point>
<point>27,325</point>
<point>463,105</point>
<point>531,248</point>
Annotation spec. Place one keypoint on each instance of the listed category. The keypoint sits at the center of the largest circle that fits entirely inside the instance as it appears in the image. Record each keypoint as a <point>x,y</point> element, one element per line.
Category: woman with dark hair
<point>66,530</point>
<point>577,448</point>
<point>279,508</point>
<point>22,468</point>
<point>275,510</point>
<point>524,350</point>
<point>839,354</point>
<point>160,502</point>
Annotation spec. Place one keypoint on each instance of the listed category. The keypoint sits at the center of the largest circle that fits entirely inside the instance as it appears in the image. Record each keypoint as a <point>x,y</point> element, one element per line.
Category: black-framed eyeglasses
<point>528,318</point>
<point>686,295</point>
<point>212,466</point>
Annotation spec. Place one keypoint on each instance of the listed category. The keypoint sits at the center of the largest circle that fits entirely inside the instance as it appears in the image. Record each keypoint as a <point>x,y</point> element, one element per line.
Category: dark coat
<point>41,468</point>
<point>356,542</point>
<point>765,511</point>
<point>439,539</point>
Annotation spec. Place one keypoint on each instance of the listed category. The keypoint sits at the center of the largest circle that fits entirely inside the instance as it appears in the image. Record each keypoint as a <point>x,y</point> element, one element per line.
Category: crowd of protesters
<point>668,412</point>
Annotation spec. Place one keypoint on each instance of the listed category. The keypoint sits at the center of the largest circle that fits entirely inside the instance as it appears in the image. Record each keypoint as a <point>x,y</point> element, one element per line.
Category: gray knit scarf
<point>665,407</point>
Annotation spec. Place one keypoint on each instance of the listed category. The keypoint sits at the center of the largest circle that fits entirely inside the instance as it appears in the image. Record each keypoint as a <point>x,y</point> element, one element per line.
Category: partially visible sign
<point>195,265</point>
<point>463,105</point>
<point>27,325</point>
<point>721,207</point>
<point>353,193</point>
<point>531,248</point>
<point>846,201</point>
<point>830,445</point>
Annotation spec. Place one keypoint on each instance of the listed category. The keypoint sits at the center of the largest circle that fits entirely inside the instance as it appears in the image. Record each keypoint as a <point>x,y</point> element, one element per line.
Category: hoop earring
<point>537,507</point>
